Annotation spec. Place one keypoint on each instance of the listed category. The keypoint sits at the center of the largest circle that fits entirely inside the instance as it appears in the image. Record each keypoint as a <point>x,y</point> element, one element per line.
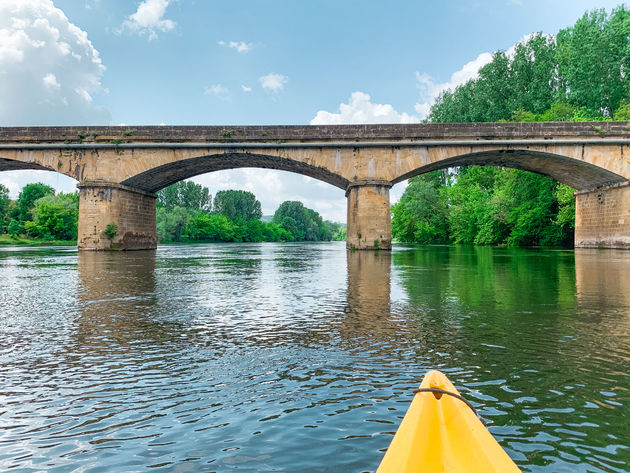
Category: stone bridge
<point>119,169</point>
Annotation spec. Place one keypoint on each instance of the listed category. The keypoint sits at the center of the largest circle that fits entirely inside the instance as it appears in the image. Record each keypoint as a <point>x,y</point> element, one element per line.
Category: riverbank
<point>8,240</point>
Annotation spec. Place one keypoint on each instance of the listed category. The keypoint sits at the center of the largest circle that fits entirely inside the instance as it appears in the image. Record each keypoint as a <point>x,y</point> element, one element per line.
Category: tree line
<point>580,74</point>
<point>39,213</point>
<point>185,212</point>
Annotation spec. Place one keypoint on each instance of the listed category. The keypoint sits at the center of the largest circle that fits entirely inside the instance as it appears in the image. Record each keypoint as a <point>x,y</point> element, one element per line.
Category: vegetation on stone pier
<point>578,75</point>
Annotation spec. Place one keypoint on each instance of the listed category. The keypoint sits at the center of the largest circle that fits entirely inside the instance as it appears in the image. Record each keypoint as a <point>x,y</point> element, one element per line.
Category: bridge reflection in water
<point>245,354</point>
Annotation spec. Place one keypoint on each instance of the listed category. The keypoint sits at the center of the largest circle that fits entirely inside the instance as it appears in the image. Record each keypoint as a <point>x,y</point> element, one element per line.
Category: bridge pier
<point>602,217</point>
<point>369,217</point>
<point>132,210</point>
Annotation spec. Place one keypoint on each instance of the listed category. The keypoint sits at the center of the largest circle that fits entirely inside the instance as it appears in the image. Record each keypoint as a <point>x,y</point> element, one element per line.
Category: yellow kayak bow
<point>442,433</point>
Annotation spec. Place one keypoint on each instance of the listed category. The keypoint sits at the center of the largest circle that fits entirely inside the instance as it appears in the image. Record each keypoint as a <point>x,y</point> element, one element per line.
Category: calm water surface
<point>303,358</point>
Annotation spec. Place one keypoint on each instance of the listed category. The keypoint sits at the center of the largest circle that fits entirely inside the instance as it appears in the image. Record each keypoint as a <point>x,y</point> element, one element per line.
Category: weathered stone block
<point>602,218</point>
<point>131,210</point>
<point>369,218</point>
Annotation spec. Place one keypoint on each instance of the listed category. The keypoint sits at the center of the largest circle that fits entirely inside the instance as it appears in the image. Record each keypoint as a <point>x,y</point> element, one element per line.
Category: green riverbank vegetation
<point>39,216</point>
<point>186,212</point>
<point>580,74</point>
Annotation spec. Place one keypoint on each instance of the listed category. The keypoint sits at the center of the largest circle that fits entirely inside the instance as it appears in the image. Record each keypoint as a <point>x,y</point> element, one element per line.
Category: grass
<point>8,240</point>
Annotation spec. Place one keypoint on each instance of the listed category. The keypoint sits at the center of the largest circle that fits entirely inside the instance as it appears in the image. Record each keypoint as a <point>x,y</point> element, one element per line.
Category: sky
<point>256,62</point>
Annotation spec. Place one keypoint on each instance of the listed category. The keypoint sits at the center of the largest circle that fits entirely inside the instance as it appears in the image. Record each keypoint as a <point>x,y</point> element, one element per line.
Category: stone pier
<point>602,218</point>
<point>369,217</point>
<point>132,210</point>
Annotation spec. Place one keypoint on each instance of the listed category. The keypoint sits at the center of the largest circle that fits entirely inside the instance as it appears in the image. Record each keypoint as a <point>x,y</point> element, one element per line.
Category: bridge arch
<point>158,177</point>
<point>576,173</point>
<point>7,164</point>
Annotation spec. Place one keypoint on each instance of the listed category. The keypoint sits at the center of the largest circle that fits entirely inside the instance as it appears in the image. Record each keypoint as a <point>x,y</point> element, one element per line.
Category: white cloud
<point>359,110</point>
<point>430,90</point>
<point>240,46</point>
<point>49,69</point>
<point>244,88</point>
<point>273,82</point>
<point>50,81</point>
<point>217,90</point>
<point>16,180</point>
<point>148,19</point>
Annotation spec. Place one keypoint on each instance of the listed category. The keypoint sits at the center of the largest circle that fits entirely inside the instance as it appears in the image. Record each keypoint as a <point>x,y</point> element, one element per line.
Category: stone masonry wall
<point>132,211</point>
<point>227,133</point>
<point>369,219</point>
<point>602,218</point>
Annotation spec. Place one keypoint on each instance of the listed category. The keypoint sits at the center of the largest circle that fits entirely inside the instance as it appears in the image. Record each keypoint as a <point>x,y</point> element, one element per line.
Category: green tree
<point>15,228</point>
<point>420,215</point>
<point>171,222</point>
<point>593,59</point>
<point>5,208</point>
<point>54,217</point>
<point>216,227</point>
<point>303,223</point>
<point>186,194</point>
<point>237,204</point>
<point>26,200</point>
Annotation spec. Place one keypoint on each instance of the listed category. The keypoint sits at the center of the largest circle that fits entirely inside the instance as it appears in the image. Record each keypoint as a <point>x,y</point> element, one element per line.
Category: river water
<point>303,357</point>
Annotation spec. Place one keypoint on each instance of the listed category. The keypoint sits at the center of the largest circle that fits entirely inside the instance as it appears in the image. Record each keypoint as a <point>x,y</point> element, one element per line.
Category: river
<point>303,357</point>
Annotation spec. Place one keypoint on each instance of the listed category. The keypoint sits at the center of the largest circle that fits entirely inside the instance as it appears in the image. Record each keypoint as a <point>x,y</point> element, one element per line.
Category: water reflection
<point>243,357</point>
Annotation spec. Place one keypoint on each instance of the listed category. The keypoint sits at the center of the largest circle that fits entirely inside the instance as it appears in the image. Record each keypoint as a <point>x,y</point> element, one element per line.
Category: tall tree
<point>237,204</point>
<point>594,59</point>
<point>26,200</point>
<point>5,206</point>
<point>186,194</point>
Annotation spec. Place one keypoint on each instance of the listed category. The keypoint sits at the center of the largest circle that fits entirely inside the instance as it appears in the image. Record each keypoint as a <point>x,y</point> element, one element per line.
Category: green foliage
<point>185,194</point>
<point>237,204</point>
<point>54,217</point>
<point>303,223</point>
<point>207,227</point>
<point>111,230</point>
<point>15,228</point>
<point>5,208</point>
<point>171,222</point>
<point>26,200</point>
<point>579,75</point>
<point>593,60</point>
<point>419,216</point>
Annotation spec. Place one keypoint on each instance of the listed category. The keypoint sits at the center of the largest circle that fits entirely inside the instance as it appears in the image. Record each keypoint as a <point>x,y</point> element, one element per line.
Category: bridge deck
<point>315,133</point>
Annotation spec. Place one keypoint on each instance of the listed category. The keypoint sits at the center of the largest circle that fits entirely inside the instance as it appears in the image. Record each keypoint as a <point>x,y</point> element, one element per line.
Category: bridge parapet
<point>314,133</point>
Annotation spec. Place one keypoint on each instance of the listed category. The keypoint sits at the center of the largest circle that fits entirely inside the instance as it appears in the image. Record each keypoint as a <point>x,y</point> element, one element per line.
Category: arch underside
<point>167,174</point>
<point>13,165</point>
<point>573,172</point>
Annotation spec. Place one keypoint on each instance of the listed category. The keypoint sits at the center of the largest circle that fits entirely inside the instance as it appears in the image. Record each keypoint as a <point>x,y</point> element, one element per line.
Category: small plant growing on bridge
<point>111,230</point>
<point>227,133</point>
<point>81,137</point>
<point>128,133</point>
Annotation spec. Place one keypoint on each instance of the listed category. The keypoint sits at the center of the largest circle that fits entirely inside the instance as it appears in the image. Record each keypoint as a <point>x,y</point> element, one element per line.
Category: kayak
<point>442,433</point>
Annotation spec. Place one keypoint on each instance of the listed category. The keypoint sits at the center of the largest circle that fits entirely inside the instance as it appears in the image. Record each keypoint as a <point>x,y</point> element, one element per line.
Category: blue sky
<point>202,62</point>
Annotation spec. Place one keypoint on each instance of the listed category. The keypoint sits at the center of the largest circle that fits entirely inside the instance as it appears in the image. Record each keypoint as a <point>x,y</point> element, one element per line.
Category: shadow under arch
<point>15,165</point>
<point>573,172</point>
<point>159,177</point>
